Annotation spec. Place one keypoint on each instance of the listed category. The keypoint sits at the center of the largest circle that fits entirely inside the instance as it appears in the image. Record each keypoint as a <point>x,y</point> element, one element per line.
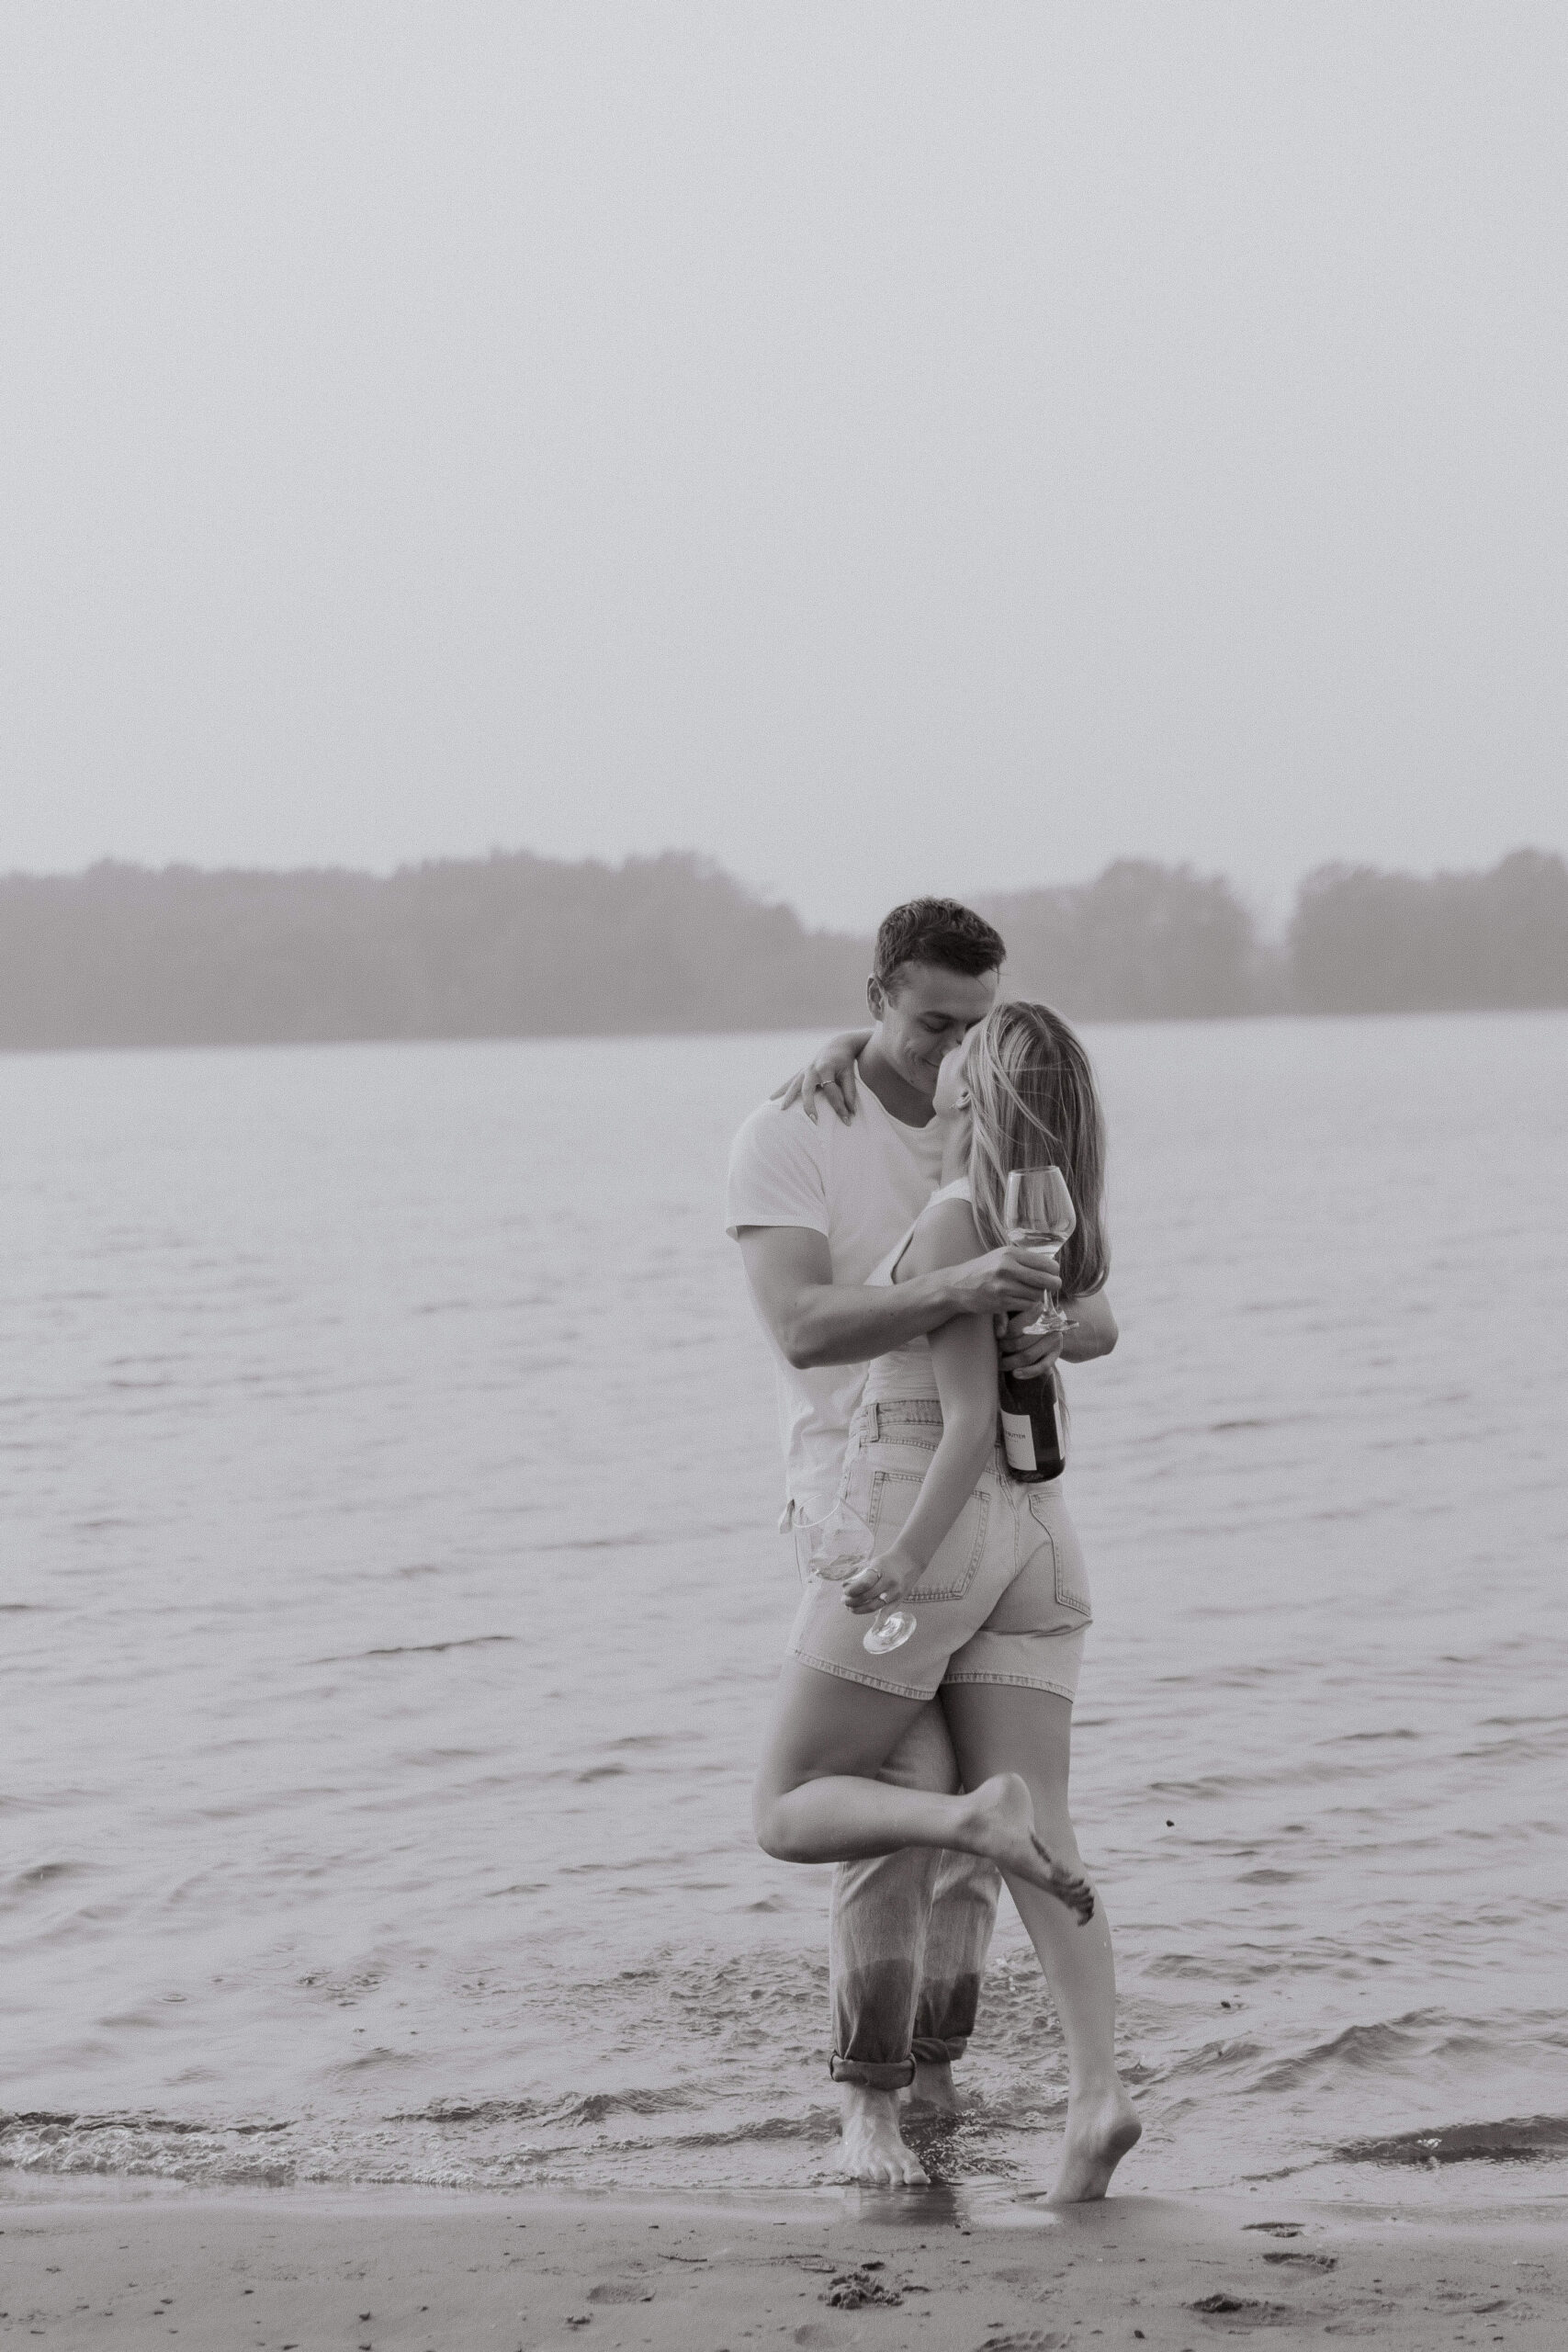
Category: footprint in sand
<point>1242,2311</point>
<point>1024,2339</point>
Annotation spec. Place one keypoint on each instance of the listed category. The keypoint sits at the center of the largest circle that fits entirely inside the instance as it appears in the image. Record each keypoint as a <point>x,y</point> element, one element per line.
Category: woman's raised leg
<point>1001,1727</point>
<point>817,1800</point>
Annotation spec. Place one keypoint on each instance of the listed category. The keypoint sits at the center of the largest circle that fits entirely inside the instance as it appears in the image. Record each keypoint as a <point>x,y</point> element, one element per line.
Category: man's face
<point>927,1011</point>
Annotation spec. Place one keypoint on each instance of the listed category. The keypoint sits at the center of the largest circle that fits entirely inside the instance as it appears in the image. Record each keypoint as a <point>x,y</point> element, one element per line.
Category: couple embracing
<point>875,1247</point>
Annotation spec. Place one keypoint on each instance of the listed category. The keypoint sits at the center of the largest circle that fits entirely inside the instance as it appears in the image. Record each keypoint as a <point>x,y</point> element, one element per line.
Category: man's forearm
<point>849,1323</point>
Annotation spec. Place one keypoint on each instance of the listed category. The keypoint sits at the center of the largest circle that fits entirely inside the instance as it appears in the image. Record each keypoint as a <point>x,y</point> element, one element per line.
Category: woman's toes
<point>1068,1886</point>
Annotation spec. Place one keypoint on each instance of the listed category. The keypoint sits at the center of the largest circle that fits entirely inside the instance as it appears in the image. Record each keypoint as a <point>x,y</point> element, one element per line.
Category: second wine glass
<point>833,1547</point>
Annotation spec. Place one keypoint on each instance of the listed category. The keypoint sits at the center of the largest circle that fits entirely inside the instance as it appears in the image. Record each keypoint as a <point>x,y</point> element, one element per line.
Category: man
<point>815,1207</point>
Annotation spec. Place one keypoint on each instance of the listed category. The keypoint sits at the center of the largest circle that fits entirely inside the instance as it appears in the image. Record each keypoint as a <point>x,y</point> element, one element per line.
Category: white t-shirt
<point>862,1185</point>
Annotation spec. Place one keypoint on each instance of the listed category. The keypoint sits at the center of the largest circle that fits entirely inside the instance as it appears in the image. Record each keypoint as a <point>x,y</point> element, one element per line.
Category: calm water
<point>391,1600</point>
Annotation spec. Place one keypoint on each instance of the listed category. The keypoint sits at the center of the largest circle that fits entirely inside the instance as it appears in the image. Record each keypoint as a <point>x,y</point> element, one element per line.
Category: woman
<point>992,1569</point>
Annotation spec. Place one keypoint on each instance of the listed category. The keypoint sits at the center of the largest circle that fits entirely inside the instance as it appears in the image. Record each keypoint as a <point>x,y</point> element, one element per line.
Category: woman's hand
<point>830,1073</point>
<point>881,1580</point>
<point>1027,1355</point>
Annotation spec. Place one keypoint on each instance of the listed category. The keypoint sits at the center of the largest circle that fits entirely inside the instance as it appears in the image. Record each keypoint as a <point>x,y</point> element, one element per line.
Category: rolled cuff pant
<point>909,1935</point>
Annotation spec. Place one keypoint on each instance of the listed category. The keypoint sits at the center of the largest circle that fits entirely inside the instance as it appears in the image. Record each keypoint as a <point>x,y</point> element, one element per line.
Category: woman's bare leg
<point>998,1727</point>
<point>816,1802</point>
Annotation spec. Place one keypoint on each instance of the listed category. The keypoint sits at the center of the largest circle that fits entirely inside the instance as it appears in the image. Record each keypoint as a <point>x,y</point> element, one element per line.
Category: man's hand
<point>1004,1281</point>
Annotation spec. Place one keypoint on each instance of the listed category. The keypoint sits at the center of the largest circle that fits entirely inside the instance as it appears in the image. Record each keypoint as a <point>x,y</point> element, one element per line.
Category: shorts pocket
<point>1068,1575</point>
<point>953,1566</point>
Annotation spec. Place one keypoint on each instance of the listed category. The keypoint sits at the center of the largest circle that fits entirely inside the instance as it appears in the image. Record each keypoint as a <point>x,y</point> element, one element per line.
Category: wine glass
<point>833,1547</point>
<point>889,1630</point>
<point>1039,1214</point>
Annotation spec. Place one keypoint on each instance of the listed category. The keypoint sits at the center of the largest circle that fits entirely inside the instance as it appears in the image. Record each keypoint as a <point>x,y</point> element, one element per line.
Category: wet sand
<point>405,2273</point>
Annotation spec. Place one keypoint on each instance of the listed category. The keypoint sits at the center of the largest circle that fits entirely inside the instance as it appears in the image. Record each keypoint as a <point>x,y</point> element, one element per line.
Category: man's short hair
<point>936,931</point>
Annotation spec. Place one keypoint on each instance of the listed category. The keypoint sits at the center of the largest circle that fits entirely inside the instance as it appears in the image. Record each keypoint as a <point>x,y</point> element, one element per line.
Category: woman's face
<point>949,1080</point>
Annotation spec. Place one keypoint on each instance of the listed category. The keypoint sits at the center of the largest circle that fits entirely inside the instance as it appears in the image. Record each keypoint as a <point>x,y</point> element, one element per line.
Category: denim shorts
<point>1003,1599</point>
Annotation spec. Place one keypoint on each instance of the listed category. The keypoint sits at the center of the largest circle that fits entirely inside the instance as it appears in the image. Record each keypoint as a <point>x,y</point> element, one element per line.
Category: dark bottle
<point>1033,1437</point>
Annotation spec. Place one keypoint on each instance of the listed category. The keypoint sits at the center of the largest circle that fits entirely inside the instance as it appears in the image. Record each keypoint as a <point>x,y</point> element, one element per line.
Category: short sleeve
<point>775,1174</point>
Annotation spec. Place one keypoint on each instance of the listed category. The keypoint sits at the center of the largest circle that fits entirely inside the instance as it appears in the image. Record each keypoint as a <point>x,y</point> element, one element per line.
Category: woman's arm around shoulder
<point>830,1073</point>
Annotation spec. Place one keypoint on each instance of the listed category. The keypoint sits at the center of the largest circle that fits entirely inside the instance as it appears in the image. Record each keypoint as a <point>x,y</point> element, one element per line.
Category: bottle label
<point>1018,1441</point>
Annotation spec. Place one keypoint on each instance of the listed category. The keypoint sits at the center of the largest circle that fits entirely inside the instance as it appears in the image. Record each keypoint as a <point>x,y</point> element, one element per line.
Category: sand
<point>382,2272</point>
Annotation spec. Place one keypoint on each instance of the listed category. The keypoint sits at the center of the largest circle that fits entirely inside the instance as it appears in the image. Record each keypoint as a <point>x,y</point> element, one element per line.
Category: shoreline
<point>427,2270</point>
<point>1252,1016</point>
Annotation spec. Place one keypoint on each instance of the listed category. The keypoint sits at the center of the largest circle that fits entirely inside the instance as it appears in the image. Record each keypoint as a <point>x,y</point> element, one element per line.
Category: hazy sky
<point>886,447</point>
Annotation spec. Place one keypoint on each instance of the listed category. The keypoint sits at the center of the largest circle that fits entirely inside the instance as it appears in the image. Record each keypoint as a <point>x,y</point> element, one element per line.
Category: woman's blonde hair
<point>1034,1105</point>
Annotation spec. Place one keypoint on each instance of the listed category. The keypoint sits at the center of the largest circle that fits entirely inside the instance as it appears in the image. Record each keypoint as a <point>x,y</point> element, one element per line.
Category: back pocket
<point>953,1566</point>
<point>1070,1578</point>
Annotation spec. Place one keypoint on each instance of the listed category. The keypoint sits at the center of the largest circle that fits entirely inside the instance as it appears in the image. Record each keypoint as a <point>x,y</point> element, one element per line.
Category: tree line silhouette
<point>516,946</point>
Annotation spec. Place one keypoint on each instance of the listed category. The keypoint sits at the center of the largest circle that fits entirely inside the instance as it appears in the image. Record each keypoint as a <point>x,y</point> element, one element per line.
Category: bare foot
<point>933,2085</point>
<point>871,2148</point>
<point>1099,2136</point>
<point>1003,1820</point>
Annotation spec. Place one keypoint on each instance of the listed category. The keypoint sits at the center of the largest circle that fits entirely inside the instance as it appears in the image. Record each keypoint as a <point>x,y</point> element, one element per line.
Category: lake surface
<point>391,1602</point>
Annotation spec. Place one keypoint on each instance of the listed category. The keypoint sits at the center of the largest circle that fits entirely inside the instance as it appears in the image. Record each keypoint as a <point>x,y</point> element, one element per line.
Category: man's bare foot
<point>873,2148</point>
<point>1099,2136</point>
<point>933,2085</point>
<point>1002,1818</point>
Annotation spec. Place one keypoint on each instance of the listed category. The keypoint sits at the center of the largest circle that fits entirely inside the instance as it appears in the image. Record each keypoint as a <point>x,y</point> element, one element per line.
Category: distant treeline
<point>516,946</point>
<point>1148,942</point>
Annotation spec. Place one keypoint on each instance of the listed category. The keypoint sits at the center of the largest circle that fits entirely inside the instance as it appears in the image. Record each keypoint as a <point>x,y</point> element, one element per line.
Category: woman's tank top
<point>907,1372</point>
